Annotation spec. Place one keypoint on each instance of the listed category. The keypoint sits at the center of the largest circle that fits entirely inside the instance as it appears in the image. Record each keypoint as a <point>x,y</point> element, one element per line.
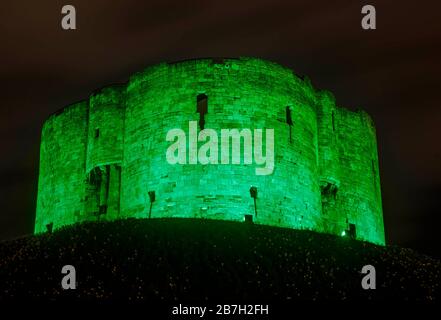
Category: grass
<point>209,261</point>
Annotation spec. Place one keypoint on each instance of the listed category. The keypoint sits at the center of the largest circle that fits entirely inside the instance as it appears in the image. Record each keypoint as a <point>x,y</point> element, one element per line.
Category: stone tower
<point>105,158</point>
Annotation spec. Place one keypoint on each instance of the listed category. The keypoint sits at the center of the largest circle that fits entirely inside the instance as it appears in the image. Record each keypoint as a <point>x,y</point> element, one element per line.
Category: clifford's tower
<point>104,158</point>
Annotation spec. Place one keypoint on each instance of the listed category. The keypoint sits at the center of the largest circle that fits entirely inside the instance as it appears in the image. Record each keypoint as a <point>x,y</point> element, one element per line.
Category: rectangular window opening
<point>249,218</point>
<point>333,121</point>
<point>202,109</point>
<point>288,116</point>
<point>289,122</point>
<point>352,231</point>
<point>102,209</point>
<point>49,227</point>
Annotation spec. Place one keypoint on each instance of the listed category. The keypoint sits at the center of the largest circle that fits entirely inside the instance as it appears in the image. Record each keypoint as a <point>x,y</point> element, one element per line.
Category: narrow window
<point>289,122</point>
<point>202,109</point>
<point>253,194</point>
<point>152,197</point>
<point>333,121</point>
<point>249,218</point>
<point>102,209</point>
<point>288,116</point>
<point>352,231</point>
<point>329,192</point>
<point>49,227</point>
<point>97,133</point>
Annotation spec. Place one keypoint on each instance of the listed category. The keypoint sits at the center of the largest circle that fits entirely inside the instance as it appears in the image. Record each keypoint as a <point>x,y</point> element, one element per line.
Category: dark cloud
<point>392,72</point>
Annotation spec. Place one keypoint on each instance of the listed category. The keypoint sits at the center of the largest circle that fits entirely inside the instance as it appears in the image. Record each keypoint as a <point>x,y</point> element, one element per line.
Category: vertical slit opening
<point>333,121</point>
<point>202,109</point>
<point>289,122</point>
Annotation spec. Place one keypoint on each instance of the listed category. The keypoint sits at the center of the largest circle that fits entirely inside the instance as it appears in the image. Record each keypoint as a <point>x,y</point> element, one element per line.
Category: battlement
<point>105,158</point>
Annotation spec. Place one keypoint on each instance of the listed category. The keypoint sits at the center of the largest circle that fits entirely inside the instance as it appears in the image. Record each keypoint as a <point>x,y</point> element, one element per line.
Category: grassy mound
<point>209,261</point>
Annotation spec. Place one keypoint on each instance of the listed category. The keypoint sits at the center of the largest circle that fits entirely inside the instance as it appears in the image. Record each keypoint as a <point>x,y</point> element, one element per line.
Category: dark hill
<point>202,260</point>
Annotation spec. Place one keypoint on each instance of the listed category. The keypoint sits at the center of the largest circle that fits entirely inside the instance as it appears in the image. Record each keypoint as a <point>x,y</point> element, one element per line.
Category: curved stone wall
<point>325,174</point>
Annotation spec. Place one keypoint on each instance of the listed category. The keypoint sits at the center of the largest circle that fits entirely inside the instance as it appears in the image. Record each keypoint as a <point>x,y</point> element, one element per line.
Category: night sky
<point>394,73</point>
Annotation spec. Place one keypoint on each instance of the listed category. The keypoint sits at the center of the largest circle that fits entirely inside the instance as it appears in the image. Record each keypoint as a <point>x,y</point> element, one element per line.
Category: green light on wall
<point>100,158</point>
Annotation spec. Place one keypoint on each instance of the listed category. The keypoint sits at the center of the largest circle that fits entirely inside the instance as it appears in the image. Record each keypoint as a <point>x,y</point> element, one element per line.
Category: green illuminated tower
<point>105,158</point>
